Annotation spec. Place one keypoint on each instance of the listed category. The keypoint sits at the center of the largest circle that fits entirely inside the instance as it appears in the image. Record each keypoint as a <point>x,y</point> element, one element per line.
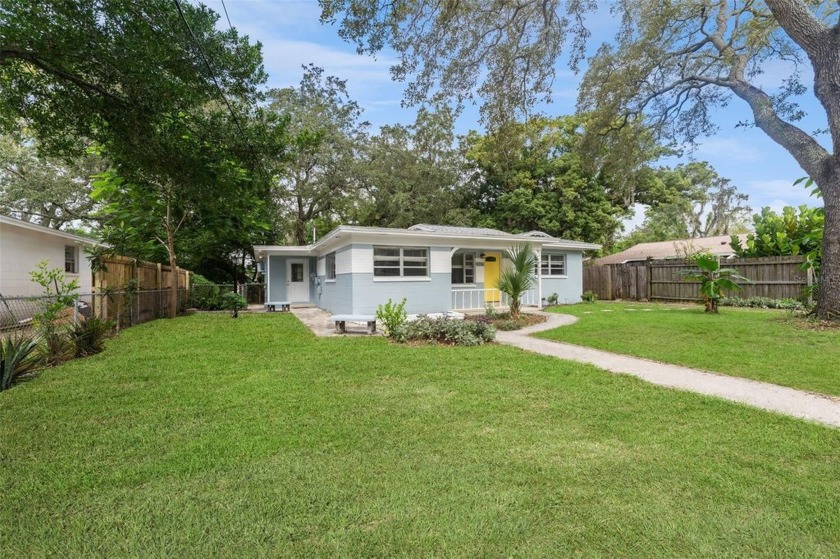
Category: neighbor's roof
<point>6,220</point>
<point>672,249</point>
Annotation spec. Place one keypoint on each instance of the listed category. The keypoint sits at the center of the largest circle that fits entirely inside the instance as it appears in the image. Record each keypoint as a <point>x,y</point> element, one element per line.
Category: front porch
<point>474,299</point>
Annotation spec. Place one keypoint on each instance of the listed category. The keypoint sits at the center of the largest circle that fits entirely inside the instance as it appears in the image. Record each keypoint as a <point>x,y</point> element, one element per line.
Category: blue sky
<point>292,35</point>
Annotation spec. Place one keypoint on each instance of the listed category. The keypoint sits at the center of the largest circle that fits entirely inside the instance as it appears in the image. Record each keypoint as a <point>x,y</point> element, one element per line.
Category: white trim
<point>385,279</point>
<point>48,230</point>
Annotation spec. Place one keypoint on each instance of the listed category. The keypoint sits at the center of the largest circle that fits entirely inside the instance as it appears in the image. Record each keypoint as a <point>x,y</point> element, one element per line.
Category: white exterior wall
<point>21,250</point>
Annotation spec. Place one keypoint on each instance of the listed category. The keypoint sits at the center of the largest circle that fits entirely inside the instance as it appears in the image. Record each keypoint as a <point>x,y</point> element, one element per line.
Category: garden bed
<point>503,321</point>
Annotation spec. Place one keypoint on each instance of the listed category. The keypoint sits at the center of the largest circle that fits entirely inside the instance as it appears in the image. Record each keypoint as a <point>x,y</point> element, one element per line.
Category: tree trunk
<point>171,228</point>
<point>828,296</point>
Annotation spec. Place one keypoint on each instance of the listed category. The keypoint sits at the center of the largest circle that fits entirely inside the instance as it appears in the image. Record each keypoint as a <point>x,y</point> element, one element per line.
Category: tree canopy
<point>671,64</point>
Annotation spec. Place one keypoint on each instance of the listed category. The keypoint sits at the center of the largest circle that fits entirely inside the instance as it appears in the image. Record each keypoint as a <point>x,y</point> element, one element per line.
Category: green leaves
<point>714,280</point>
<point>517,278</point>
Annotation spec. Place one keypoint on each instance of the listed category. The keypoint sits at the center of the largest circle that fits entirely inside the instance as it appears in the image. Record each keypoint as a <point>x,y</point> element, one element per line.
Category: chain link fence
<point>123,308</point>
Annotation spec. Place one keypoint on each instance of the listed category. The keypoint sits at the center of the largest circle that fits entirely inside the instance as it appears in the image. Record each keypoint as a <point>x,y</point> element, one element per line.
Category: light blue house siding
<point>426,295</point>
<point>277,278</point>
<point>569,288</point>
<point>335,295</point>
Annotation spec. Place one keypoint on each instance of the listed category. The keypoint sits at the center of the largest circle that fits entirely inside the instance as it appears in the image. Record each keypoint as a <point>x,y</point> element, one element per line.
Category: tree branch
<point>11,52</point>
<point>798,21</point>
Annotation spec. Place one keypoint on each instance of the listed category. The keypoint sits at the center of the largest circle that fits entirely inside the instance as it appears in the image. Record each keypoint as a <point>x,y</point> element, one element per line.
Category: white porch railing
<point>476,299</point>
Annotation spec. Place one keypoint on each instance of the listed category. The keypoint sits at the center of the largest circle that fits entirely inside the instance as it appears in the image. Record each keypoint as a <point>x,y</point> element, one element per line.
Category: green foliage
<point>234,302</point>
<point>50,191</point>
<point>447,331</point>
<point>762,303</point>
<point>58,296</point>
<point>205,295</point>
<point>90,334</point>
<point>412,174</point>
<point>392,315</point>
<point>116,71</point>
<point>315,177</point>
<point>17,358</point>
<point>543,175</point>
<point>552,299</point>
<point>797,231</point>
<point>713,280</point>
<point>689,201</point>
<point>589,297</point>
<point>517,278</point>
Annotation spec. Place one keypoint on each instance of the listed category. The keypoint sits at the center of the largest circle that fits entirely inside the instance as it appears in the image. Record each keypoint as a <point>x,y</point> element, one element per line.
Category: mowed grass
<point>206,436</point>
<point>768,345</point>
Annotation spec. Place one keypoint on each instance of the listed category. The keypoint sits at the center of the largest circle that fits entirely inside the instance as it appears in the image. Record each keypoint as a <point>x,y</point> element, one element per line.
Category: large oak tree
<point>671,63</point>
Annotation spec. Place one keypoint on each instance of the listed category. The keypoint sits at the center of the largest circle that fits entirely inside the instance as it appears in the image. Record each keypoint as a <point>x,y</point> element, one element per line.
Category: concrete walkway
<point>789,401</point>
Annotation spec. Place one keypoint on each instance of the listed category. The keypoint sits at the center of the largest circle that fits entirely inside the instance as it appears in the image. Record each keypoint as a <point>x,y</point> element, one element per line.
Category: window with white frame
<point>553,265</point>
<point>330,264</point>
<point>463,268</point>
<point>70,264</point>
<point>396,262</point>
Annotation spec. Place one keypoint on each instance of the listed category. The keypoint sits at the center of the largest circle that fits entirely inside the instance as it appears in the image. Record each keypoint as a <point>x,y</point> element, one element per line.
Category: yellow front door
<point>492,266</point>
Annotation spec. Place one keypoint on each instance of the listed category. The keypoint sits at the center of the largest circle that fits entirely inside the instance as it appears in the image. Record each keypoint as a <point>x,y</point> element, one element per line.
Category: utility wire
<point>216,82</point>
<point>226,14</point>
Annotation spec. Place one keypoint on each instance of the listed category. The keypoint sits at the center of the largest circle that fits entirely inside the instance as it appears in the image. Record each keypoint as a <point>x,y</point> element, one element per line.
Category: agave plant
<point>516,279</point>
<point>16,358</point>
<point>713,280</point>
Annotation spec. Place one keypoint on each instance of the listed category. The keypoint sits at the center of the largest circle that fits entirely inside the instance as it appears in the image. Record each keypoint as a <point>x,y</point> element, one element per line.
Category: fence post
<point>649,265</point>
<point>608,282</point>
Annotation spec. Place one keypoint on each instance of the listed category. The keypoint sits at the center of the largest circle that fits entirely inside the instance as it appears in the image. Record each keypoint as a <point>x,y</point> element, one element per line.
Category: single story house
<point>436,268</point>
<point>664,250</point>
<point>23,245</point>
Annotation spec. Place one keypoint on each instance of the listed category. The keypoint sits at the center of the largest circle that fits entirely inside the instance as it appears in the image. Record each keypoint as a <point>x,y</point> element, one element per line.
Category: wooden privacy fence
<point>132,291</point>
<point>774,277</point>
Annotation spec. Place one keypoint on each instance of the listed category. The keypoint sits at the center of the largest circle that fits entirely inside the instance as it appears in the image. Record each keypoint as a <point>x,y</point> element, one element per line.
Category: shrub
<point>16,358</point>
<point>517,278</point>
<point>554,298</point>
<point>392,315</point>
<point>234,302</point>
<point>90,334</point>
<point>589,297</point>
<point>448,331</point>
<point>58,295</point>
<point>763,303</point>
<point>205,295</point>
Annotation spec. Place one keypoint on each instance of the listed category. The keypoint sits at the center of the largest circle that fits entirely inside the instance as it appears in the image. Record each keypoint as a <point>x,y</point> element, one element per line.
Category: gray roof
<point>672,249</point>
<point>449,230</point>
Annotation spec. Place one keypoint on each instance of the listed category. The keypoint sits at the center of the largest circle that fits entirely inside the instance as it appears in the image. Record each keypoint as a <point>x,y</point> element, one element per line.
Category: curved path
<point>789,401</point>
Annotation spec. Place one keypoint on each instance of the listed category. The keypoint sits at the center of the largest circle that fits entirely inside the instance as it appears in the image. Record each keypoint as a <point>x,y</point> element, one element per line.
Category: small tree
<point>713,280</point>
<point>58,295</point>
<point>517,278</point>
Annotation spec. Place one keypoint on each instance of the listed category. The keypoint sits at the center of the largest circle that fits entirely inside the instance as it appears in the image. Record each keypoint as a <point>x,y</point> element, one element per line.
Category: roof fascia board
<point>47,230</point>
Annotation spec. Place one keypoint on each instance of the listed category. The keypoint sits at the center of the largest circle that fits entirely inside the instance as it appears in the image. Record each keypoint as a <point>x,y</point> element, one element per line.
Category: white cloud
<point>778,193</point>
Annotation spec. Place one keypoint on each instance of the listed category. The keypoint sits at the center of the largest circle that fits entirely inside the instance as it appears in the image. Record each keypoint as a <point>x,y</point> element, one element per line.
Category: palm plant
<point>16,358</point>
<point>713,279</point>
<point>515,280</point>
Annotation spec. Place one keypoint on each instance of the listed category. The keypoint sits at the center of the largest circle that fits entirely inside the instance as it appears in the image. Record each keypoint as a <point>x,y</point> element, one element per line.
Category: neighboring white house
<point>23,245</point>
<point>435,268</point>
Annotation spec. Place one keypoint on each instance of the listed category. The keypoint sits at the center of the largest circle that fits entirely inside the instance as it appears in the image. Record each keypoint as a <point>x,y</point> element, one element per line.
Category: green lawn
<point>206,436</point>
<point>769,345</point>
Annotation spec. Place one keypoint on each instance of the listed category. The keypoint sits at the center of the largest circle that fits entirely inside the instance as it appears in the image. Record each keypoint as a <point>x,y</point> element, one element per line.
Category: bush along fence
<point>774,277</point>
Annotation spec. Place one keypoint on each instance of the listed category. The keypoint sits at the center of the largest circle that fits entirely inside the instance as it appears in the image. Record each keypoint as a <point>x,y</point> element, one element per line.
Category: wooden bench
<point>285,306</point>
<point>341,321</point>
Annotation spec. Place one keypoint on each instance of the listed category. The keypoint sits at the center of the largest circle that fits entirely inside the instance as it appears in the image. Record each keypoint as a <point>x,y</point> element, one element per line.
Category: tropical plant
<point>393,316</point>
<point>515,280</point>
<point>16,358</point>
<point>89,335</point>
<point>713,280</point>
